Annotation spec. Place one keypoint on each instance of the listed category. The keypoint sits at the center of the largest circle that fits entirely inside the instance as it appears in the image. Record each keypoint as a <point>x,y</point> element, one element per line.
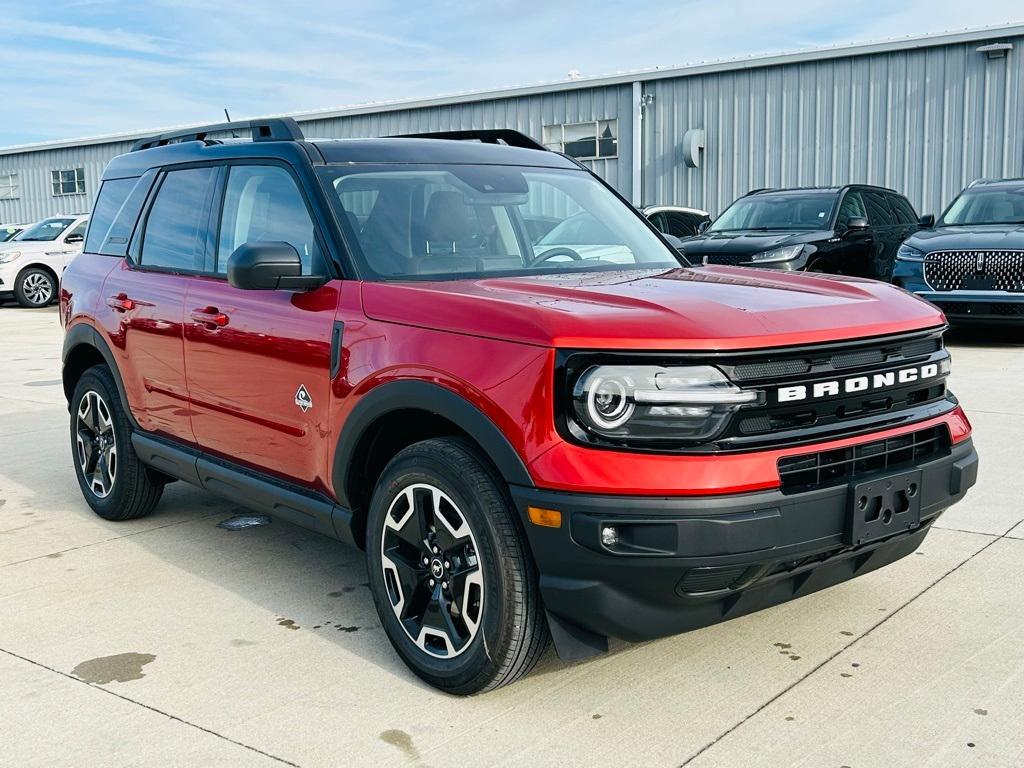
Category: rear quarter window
<point>115,213</point>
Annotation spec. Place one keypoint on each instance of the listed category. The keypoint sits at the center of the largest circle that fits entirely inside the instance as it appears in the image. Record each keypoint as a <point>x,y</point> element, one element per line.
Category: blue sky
<point>86,67</point>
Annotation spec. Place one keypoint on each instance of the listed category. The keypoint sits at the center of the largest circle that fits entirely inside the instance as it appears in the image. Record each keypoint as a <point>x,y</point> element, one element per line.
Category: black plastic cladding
<point>909,404</point>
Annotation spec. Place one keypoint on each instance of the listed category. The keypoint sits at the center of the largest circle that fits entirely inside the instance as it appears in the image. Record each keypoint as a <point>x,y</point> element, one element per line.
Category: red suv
<point>586,440</point>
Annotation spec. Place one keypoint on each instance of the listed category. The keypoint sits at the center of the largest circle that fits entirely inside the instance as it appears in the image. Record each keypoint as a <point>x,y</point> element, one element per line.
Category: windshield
<point>1000,205</point>
<point>437,222</point>
<point>783,211</point>
<point>45,230</point>
<point>6,233</point>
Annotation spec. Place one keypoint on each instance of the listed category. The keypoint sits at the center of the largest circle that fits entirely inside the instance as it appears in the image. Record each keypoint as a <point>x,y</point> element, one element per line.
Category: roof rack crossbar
<point>267,129</point>
<point>484,135</point>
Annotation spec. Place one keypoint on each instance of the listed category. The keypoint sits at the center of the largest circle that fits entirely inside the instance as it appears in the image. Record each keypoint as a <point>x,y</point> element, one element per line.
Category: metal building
<point>923,115</point>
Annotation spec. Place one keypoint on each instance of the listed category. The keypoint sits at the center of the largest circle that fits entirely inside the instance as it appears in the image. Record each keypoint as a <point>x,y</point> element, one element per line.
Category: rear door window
<point>905,213</point>
<point>262,203</point>
<point>176,228</point>
<point>879,212</point>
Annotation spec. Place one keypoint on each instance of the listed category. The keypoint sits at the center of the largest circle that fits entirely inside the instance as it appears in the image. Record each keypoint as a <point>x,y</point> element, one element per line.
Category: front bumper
<point>689,562</point>
<point>961,306</point>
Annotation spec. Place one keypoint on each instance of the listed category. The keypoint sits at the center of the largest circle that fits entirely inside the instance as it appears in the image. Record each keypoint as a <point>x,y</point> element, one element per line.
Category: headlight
<point>8,256</point>
<point>643,403</point>
<point>783,253</point>
<point>909,253</point>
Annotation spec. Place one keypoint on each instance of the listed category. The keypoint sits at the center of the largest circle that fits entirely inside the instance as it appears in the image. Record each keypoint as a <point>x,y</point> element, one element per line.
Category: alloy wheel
<point>96,443</point>
<point>37,288</point>
<point>432,570</point>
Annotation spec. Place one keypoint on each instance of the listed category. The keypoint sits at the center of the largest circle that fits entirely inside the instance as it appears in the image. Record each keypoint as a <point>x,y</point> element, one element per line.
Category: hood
<point>30,246</point>
<point>744,243</point>
<point>698,308</point>
<point>982,237</point>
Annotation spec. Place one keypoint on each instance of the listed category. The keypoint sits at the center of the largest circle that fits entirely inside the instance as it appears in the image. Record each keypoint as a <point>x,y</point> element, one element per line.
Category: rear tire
<point>452,578</point>
<point>35,287</point>
<point>113,481</point>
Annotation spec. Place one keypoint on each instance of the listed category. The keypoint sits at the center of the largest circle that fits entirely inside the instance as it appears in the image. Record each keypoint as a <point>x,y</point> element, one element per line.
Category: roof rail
<point>267,129</point>
<point>484,135</point>
<point>994,180</point>
<point>755,190</point>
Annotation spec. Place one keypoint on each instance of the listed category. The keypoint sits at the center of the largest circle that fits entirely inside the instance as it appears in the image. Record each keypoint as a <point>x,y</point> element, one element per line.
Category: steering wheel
<point>550,253</point>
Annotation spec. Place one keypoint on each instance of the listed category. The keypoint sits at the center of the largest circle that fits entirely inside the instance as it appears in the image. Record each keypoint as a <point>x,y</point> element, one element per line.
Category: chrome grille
<point>957,270</point>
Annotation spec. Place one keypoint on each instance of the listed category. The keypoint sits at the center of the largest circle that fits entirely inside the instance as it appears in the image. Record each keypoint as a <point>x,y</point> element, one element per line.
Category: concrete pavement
<point>170,641</point>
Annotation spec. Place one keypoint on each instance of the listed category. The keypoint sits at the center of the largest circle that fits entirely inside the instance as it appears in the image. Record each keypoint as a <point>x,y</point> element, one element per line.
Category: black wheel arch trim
<point>432,398</point>
<point>84,334</point>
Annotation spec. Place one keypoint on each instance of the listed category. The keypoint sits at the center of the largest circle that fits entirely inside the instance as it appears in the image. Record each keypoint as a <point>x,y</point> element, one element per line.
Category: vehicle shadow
<point>297,580</point>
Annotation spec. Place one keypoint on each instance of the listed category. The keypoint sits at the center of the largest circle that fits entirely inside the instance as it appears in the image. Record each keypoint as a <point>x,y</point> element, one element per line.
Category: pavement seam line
<point>150,708</point>
<point>107,541</point>
<point>846,647</point>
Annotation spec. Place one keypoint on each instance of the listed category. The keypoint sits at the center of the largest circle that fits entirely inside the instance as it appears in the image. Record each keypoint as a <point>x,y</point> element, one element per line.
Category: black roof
<point>281,139</point>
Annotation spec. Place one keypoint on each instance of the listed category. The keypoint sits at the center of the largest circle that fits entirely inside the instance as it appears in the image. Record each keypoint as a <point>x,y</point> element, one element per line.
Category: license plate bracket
<point>883,506</point>
<point>979,283</point>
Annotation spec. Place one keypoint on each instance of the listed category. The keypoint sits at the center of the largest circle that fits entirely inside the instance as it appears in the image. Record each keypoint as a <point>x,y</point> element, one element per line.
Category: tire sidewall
<point>494,633</point>
<point>20,290</point>
<point>99,380</point>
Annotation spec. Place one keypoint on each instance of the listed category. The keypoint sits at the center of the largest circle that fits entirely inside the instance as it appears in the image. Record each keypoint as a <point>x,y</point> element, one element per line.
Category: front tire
<point>113,481</point>
<point>35,287</point>
<point>452,579</point>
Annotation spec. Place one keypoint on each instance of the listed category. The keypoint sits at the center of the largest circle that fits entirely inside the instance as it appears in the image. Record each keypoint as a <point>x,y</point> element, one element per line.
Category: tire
<point>818,267</point>
<point>128,490</point>
<point>485,581</point>
<point>35,287</point>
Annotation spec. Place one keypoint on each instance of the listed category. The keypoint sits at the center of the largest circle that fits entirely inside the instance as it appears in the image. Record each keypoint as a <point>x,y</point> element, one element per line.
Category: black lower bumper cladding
<point>674,564</point>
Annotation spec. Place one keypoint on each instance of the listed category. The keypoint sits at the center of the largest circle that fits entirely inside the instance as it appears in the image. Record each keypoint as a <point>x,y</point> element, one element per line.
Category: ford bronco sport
<point>585,441</point>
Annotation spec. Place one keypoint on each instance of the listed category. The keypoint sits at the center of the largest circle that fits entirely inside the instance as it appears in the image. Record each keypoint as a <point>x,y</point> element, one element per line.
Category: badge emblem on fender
<point>302,398</point>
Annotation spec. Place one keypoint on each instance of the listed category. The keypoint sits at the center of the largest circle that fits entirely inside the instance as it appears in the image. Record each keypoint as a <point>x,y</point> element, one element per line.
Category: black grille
<point>837,361</point>
<point>841,465</point>
<point>978,270</point>
<point>982,308</point>
<point>729,259</point>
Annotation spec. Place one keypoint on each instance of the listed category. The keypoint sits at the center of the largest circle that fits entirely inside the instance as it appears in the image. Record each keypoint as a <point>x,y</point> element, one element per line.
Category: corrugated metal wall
<point>925,122</point>
<point>35,194</point>
<point>528,114</point>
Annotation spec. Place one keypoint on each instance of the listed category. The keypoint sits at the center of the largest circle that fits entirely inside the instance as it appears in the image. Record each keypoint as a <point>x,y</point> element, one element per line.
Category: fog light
<point>609,535</point>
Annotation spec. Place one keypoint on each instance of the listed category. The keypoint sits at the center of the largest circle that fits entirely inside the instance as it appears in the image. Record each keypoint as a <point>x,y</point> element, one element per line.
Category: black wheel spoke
<point>431,570</point>
<point>97,444</point>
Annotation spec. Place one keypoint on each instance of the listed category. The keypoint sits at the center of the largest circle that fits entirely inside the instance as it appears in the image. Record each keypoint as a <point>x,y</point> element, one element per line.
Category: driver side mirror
<point>74,239</point>
<point>703,226</point>
<point>856,225</point>
<point>927,221</point>
<point>270,266</point>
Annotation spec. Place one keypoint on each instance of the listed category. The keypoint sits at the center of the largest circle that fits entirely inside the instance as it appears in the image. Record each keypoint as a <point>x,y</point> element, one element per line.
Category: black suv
<point>851,230</point>
<point>971,262</point>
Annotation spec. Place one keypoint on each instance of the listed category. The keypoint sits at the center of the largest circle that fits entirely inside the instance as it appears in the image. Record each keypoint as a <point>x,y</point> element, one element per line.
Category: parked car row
<point>970,262</point>
<point>33,258</point>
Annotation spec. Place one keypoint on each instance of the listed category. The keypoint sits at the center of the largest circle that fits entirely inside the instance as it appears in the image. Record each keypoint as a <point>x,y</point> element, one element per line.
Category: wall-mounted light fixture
<point>995,50</point>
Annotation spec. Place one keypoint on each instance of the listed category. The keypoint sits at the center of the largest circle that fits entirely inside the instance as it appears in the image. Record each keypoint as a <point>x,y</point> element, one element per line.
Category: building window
<point>584,141</point>
<point>8,186</point>
<point>70,182</point>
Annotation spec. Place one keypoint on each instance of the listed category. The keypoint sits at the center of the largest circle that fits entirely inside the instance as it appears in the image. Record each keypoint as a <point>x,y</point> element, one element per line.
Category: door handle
<point>211,317</point>
<point>121,303</point>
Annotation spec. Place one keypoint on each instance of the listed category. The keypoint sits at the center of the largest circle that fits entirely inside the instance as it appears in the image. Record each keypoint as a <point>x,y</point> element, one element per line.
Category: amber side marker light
<point>548,518</point>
